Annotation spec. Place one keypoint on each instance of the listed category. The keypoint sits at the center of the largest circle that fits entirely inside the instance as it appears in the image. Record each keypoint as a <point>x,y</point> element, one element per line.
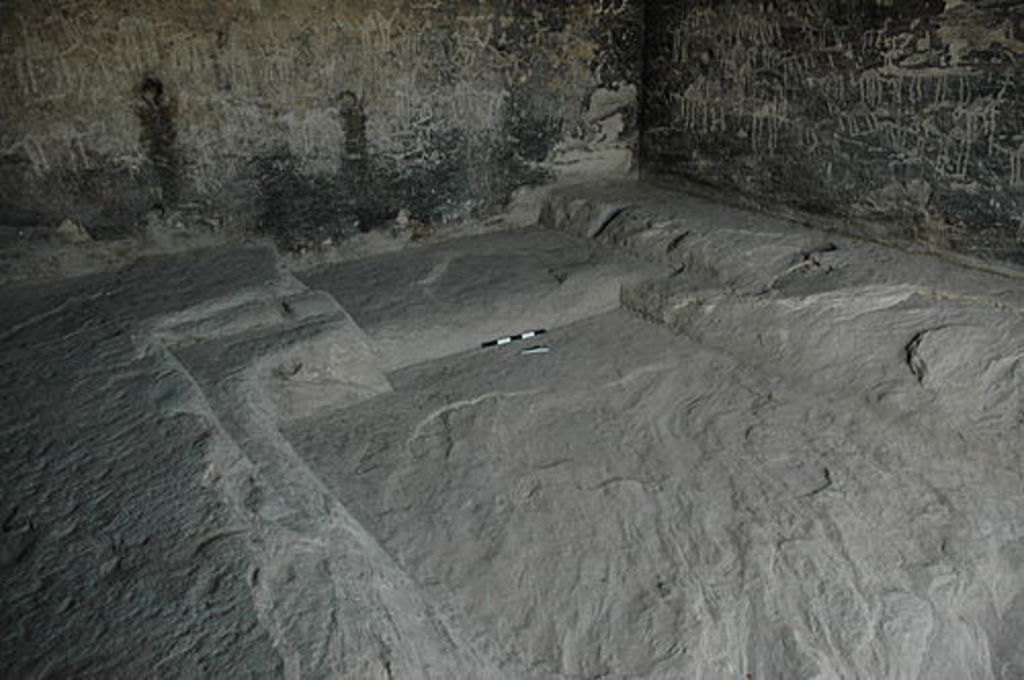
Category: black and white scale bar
<point>509,338</point>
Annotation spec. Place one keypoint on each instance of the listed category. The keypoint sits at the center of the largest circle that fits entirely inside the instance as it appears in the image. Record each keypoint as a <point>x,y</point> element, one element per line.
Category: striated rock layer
<point>808,466</point>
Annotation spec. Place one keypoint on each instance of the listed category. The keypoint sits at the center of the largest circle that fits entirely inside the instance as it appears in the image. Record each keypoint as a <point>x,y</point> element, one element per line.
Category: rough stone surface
<point>154,522</point>
<point>431,302</point>
<point>206,473</point>
<point>637,505</point>
<point>72,232</point>
<point>905,117</point>
<point>822,480</point>
<point>306,120</point>
<point>119,556</point>
<point>333,601</point>
<point>808,305</point>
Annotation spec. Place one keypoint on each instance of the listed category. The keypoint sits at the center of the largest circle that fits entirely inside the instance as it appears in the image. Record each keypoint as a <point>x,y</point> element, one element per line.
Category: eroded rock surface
<point>635,505</point>
<point>154,522</point>
<point>832,313</point>
<point>821,478</point>
<point>120,557</point>
<point>810,466</point>
<point>429,303</point>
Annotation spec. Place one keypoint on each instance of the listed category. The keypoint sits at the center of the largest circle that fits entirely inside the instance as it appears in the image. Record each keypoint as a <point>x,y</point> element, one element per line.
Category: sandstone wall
<point>905,117</point>
<point>306,119</point>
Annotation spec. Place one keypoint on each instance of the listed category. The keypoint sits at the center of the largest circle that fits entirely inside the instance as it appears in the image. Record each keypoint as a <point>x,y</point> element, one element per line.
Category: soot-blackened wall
<point>905,117</point>
<point>302,118</point>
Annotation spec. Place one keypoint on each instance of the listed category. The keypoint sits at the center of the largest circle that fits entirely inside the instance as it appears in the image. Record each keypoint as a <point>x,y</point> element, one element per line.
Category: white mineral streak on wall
<point>405,102</point>
<point>315,136</point>
<point>929,116</point>
<point>267,83</point>
<point>699,112</point>
<point>753,27</point>
<point>68,67</point>
<point>953,151</point>
<point>612,7</point>
<point>765,124</point>
<point>707,106</point>
<point>1017,165</point>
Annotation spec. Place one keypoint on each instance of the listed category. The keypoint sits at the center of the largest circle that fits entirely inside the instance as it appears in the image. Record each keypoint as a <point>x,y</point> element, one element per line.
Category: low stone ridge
<point>153,521</point>
<point>835,313</point>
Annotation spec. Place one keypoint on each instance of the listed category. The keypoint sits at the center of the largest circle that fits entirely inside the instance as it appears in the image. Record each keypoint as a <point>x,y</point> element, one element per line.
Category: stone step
<point>431,302</point>
<point>920,333</point>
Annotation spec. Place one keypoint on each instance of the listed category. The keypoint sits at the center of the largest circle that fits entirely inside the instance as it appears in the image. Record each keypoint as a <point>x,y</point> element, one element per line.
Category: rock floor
<point>752,450</point>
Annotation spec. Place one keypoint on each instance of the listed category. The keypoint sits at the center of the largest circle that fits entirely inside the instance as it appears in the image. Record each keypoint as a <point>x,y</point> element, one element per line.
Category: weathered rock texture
<point>152,520</point>
<point>905,117</point>
<point>302,119</point>
<point>206,473</point>
<point>447,298</point>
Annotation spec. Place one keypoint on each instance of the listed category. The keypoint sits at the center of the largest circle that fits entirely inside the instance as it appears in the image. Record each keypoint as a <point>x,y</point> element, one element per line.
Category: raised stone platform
<point>439,300</point>
<point>810,466</point>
